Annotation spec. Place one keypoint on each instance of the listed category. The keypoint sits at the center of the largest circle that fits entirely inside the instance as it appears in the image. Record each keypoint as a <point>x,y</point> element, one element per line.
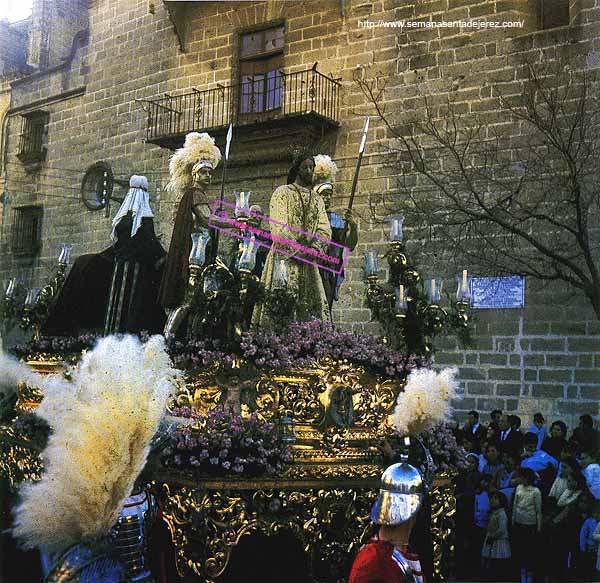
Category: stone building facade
<point>109,70</point>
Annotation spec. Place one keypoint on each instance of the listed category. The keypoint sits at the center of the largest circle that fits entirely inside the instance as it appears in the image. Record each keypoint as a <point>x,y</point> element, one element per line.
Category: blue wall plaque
<point>498,292</point>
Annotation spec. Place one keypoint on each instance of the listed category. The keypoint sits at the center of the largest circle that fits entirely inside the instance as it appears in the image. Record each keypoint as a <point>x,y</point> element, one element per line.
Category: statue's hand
<point>349,218</point>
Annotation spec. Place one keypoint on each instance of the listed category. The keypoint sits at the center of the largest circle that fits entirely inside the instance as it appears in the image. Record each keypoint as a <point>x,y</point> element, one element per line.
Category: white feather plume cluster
<point>425,401</point>
<point>195,148</point>
<point>325,169</point>
<point>102,425</point>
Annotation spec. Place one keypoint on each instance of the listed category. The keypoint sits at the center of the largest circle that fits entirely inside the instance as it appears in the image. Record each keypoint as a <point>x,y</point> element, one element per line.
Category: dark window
<point>553,13</point>
<point>27,229</point>
<point>261,69</point>
<point>32,143</point>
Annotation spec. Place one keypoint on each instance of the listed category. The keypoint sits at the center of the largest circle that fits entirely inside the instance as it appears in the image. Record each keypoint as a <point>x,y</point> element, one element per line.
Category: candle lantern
<point>396,228</point>
<point>242,204</point>
<point>65,254</point>
<point>463,291</point>
<point>248,258</point>
<point>11,288</point>
<point>434,290</point>
<point>198,252</point>
<point>371,263</point>
<point>280,274</point>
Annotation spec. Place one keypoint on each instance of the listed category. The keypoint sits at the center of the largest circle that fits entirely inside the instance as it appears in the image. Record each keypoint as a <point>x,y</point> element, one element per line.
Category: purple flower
<point>226,465</point>
<point>214,461</point>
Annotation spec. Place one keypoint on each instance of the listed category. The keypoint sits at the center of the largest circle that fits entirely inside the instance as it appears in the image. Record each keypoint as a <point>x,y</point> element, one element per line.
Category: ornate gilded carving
<point>19,461</point>
<point>338,411</point>
<point>329,522</point>
<point>443,509</point>
<point>28,398</point>
<point>339,414</point>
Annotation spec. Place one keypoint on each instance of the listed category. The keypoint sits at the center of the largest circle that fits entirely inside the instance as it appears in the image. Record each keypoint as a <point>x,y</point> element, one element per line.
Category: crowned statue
<point>299,228</point>
<point>191,169</point>
<point>343,229</point>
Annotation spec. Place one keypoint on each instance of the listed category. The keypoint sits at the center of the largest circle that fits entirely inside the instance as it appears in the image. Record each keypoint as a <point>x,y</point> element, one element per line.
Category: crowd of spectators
<point>528,503</point>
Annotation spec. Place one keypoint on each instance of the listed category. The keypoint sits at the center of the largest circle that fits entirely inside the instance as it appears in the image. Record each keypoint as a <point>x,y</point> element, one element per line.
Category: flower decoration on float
<point>221,443</point>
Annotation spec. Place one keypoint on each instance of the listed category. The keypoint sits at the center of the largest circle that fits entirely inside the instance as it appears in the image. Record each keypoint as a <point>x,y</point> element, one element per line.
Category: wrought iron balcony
<point>307,95</point>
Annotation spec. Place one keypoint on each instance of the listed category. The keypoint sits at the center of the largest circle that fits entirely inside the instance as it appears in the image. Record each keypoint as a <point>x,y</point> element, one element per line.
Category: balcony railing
<point>274,96</point>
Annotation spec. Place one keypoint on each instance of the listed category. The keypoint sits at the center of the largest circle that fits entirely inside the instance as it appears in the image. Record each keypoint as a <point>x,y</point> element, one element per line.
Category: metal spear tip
<point>229,138</point>
<point>364,136</point>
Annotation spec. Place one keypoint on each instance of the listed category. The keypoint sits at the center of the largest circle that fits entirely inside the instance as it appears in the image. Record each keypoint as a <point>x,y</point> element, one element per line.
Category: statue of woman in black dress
<point>132,305</point>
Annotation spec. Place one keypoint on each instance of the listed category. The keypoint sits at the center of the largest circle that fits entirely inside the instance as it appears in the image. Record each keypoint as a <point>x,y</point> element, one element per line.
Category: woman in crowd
<point>527,523</point>
<point>557,439</point>
<point>563,526</point>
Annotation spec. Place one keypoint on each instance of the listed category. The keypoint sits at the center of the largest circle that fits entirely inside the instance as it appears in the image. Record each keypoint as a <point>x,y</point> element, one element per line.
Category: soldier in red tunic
<point>386,557</point>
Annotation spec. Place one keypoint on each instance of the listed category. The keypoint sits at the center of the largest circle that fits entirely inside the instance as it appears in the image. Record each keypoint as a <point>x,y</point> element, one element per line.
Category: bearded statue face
<point>201,175</point>
<point>305,172</point>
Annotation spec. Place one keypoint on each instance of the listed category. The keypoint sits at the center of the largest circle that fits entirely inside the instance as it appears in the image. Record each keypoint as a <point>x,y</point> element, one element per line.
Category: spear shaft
<point>215,237</point>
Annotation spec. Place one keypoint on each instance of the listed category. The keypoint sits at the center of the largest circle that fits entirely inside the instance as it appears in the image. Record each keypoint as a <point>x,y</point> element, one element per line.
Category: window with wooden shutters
<point>32,142</point>
<point>27,229</point>
<point>261,70</point>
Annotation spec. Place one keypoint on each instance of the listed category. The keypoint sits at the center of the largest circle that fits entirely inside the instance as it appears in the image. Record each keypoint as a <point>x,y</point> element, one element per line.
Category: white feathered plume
<point>425,401</point>
<point>325,169</point>
<point>196,147</point>
<point>101,431</point>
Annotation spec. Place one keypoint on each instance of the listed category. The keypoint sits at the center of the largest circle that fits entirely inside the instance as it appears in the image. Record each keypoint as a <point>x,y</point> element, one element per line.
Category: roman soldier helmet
<point>324,173</point>
<point>199,151</point>
<point>400,495</point>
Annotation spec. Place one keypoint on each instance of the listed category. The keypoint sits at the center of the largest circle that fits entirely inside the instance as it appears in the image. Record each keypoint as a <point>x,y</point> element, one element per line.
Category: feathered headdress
<point>102,427</point>
<point>196,148</point>
<point>425,401</point>
<point>325,169</point>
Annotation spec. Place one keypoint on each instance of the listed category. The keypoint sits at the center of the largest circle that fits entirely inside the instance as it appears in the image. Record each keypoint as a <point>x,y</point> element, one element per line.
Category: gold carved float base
<point>324,498</point>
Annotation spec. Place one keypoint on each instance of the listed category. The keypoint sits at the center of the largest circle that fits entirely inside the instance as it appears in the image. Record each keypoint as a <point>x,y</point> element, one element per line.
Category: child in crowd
<point>469,480</point>
<point>527,522</point>
<point>591,471</point>
<point>495,552</point>
<point>596,538</point>
<point>543,464</point>
<point>538,428</point>
<point>505,480</point>
<point>481,511</point>
<point>588,547</point>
